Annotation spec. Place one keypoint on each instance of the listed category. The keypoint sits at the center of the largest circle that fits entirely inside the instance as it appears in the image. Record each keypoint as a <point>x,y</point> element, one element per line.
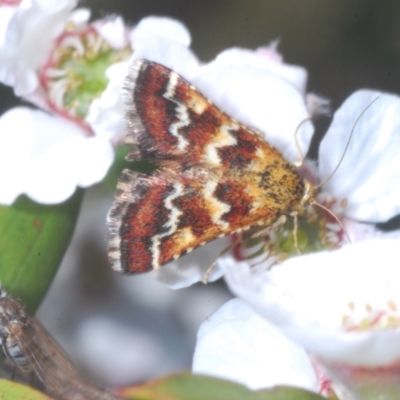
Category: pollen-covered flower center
<point>365,317</point>
<point>316,230</point>
<point>74,74</point>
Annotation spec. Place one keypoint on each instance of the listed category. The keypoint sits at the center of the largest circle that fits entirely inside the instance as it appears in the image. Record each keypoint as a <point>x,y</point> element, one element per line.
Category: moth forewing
<point>218,177</point>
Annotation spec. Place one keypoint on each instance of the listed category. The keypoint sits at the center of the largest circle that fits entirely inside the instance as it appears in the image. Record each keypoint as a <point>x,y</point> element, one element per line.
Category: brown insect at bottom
<point>31,348</point>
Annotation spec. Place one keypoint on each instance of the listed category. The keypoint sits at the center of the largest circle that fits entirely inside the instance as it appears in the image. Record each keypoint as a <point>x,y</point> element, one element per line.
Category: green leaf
<point>198,387</point>
<point>33,240</point>
<point>10,390</point>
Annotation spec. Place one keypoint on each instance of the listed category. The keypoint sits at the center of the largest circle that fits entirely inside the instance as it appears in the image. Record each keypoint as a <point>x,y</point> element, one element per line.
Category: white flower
<point>237,344</point>
<point>73,146</point>
<point>24,48</point>
<point>47,159</point>
<point>368,179</point>
<point>340,306</point>
<point>146,29</point>
<point>6,13</point>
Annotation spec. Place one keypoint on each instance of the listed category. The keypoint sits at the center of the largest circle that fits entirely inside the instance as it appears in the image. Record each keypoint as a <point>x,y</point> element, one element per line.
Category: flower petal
<point>262,58</point>
<point>193,267</point>
<point>47,157</point>
<point>163,27</point>
<point>172,54</point>
<point>308,297</point>
<point>113,31</point>
<point>5,16</point>
<point>106,114</point>
<point>237,344</point>
<point>24,48</point>
<point>369,174</point>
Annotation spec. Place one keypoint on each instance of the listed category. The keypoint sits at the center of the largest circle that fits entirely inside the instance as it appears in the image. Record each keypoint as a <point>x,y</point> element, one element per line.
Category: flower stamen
<point>371,319</point>
<point>74,74</point>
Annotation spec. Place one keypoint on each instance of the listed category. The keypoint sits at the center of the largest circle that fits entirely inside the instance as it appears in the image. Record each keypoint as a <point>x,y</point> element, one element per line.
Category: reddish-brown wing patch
<point>219,176</point>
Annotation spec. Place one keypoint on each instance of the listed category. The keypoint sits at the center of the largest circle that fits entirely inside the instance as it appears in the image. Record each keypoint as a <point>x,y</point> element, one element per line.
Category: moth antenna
<point>296,141</point>
<point>208,272</point>
<point>347,144</point>
<point>337,167</point>
<point>295,232</point>
<point>334,216</point>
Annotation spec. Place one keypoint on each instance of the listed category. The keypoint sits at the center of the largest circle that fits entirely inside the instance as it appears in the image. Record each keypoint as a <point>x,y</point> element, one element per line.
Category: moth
<point>216,176</point>
<point>31,348</point>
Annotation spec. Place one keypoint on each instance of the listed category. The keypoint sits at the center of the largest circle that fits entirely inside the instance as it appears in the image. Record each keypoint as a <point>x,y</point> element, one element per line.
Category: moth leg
<point>267,230</point>
<point>212,266</point>
<point>295,232</point>
<point>263,232</point>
